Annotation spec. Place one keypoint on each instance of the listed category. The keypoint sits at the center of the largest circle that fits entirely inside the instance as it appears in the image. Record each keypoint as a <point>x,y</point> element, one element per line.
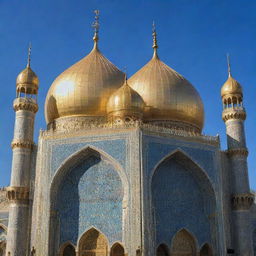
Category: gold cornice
<point>237,151</point>
<point>108,128</point>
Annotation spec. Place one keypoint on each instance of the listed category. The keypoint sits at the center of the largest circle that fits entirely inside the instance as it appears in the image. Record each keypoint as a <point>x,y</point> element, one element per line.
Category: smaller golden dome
<point>231,87</point>
<point>27,81</point>
<point>125,104</point>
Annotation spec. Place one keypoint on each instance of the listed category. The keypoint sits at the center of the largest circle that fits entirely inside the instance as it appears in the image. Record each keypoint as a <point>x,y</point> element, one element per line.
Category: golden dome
<point>84,88</point>
<point>125,103</point>
<point>168,95</point>
<point>27,81</point>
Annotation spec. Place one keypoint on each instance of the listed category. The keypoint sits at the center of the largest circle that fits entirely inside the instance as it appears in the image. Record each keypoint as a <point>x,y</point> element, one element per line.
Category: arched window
<point>93,243</point>
<point>162,250</point>
<point>206,250</point>
<point>69,250</point>
<point>117,250</point>
<point>183,244</point>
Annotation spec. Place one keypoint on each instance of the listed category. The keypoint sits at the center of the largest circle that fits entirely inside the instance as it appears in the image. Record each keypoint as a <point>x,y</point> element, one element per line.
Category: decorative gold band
<point>237,151</point>
<point>22,144</point>
<point>232,114</point>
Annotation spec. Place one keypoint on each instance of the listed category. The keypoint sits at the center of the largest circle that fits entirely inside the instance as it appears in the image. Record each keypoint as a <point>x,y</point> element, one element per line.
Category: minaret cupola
<point>27,81</point>
<point>231,91</point>
<point>232,98</point>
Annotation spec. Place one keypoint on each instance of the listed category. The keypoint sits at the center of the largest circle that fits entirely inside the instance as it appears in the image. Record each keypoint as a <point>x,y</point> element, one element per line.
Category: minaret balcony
<point>28,104</point>
<point>234,113</point>
<point>242,201</point>
<point>16,194</point>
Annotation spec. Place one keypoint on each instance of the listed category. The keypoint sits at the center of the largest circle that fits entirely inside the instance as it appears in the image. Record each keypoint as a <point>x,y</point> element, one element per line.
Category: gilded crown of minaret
<point>27,81</point>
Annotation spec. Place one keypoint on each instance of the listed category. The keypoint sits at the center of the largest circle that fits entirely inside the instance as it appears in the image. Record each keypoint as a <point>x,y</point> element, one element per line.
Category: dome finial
<point>125,76</point>
<point>29,55</point>
<point>155,46</point>
<point>229,67</point>
<point>96,26</point>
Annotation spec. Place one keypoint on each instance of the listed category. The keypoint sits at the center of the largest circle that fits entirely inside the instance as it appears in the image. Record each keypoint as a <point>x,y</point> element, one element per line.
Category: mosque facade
<point>123,167</point>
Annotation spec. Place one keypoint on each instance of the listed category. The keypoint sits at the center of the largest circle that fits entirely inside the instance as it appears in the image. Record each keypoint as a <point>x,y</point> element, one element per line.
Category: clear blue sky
<point>193,35</point>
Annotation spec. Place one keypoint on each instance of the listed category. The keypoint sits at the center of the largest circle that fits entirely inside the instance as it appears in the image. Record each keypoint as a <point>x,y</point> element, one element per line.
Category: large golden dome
<point>84,88</point>
<point>167,94</point>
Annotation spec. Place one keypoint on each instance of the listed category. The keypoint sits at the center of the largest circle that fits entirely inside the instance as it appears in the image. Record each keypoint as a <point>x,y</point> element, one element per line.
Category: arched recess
<point>93,243</point>
<point>117,250</point>
<point>67,249</point>
<point>206,250</point>
<point>162,250</point>
<point>88,189</point>
<point>182,194</point>
<point>183,244</point>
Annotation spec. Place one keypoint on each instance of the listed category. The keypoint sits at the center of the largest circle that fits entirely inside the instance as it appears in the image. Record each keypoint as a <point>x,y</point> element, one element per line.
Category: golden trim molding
<point>237,151</point>
<point>22,144</point>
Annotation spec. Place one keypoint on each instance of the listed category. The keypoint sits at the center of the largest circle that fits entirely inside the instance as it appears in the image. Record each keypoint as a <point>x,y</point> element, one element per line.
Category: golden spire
<point>29,55</point>
<point>229,67</point>
<point>155,46</point>
<point>96,26</point>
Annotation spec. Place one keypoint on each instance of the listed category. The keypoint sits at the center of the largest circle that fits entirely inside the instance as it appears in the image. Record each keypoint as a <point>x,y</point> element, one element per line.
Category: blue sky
<point>193,36</point>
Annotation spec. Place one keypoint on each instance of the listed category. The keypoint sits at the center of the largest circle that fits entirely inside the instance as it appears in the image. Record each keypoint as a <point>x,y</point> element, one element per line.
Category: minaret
<point>234,116</point>
<point>25,106</point>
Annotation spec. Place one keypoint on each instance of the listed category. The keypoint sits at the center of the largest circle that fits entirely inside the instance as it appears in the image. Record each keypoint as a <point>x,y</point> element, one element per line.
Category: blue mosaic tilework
<point>156,150</point>
<point>115,148</point>
<point>91,196</point>
<point>178,203</point>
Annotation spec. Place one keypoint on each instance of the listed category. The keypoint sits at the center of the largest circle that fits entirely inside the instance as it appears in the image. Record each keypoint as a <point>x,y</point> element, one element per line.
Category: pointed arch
<point>162,250</point>
<point>93,243</point>
<point>183,244</point>
<point>67,249</point>
<point>78,167</point>
<point>117,250</point>
<point>185,160</point>
<point>79,156</point>
<point>206,250</point>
